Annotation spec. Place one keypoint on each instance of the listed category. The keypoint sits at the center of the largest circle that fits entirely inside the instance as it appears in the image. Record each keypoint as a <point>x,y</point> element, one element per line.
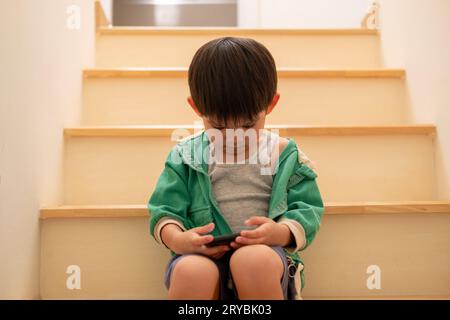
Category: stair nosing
<point>233,31</point>
<point>176,72</point>
<point>331,208</point>
<point>306,130</point>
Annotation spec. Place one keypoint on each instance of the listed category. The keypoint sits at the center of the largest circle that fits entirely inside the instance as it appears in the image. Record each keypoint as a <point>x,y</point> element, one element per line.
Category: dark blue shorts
<point>227,288</point>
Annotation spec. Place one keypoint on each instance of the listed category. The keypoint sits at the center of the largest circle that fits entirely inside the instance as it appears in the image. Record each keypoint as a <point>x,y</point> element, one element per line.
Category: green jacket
<point>184,192</point>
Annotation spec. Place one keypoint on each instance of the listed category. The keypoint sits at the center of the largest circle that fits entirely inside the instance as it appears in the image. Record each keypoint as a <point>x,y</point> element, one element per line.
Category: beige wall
<point>40,83</point>
<point>415,35</point>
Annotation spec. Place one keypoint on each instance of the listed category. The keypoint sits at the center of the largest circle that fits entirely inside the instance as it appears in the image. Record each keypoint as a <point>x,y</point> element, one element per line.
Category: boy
<point>269,195</point>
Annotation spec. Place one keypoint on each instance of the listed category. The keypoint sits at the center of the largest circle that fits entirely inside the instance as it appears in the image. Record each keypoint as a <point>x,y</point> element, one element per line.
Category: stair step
<point>284,130</point>
<point>141,47</point>
<point>119,259</point>
<point>282,73</point>
<point>121,166</point>
<point>161,99</point>
<point>336,208</point>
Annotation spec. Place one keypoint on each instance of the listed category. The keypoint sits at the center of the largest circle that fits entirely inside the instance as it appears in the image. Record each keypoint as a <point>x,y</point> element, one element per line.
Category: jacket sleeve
<point>170,198</point>
<point>305,207</point>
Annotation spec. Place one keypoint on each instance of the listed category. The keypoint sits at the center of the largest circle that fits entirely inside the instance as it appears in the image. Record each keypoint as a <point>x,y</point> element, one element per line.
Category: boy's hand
<point>268,232</point>
<point>193,241</point>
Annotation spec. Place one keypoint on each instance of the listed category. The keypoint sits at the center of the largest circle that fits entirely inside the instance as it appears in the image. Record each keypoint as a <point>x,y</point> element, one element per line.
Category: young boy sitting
<point>235,177</point>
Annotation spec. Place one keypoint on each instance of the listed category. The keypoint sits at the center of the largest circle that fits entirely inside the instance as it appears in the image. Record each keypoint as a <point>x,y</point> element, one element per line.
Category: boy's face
<point>242,124</point>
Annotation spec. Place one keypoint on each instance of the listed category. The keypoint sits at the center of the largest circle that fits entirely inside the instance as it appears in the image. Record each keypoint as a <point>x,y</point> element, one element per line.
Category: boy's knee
<point>195,268</point>
<point>258,258</point>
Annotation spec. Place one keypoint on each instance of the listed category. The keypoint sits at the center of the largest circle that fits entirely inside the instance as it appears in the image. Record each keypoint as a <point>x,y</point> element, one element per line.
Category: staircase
<point>349,115</point>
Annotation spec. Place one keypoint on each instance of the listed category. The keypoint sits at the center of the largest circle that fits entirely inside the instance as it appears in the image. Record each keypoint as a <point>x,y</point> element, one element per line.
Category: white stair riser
<point>288,51</point>
<point>365,168</point>
<point>119,259</point>
<point>410,249</point>
<point>116,101</point>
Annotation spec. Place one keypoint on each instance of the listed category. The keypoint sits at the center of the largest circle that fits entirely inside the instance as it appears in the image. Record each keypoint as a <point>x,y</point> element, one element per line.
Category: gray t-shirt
<point>243,190</point>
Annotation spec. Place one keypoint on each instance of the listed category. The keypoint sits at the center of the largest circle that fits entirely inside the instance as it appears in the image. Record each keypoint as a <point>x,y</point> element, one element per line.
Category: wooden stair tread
<point>312,130</point>
<point>332,208</point>
<point>228,31</point>
<point>282,73</point>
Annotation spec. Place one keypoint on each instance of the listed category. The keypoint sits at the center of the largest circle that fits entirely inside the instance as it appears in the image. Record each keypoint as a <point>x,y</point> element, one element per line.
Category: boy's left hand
<point>268,232</point>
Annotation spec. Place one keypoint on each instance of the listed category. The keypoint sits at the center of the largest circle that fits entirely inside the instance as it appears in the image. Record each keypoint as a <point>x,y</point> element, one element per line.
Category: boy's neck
<point>236,146</point>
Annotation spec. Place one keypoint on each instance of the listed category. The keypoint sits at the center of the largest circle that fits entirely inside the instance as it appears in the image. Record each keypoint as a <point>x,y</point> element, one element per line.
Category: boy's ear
<point>274,102</point>
<point>193,106</point>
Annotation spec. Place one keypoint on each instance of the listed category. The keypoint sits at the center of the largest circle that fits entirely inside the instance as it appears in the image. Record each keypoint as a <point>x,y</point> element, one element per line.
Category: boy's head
<point>233,82</point>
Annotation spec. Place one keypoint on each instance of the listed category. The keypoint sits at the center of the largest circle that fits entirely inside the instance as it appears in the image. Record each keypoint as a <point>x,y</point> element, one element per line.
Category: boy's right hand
<point>194,241</point>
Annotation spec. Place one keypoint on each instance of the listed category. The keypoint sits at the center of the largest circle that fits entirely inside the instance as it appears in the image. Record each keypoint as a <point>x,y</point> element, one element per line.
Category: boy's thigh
<point>257,259</point>
<point>286,281</point>
<point>227,289</point>
<point>191,265</point>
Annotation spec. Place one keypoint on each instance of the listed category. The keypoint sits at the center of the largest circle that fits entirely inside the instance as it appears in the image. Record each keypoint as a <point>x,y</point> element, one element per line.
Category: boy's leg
<point>194,277</point>
<point>257,271</point>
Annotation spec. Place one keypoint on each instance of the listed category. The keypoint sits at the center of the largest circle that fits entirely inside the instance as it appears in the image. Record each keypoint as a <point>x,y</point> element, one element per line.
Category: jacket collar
<point>194,151</point>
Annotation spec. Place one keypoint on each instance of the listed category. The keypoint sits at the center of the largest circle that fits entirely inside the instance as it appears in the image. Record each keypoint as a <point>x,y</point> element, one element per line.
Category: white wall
<point>416,36</point>
<point>306,14</point>
<point>108,8</point>
<point>40,83</point>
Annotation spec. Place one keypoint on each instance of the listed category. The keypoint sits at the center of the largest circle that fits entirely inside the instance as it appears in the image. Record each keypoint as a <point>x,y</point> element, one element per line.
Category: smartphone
<point>222,240</point>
